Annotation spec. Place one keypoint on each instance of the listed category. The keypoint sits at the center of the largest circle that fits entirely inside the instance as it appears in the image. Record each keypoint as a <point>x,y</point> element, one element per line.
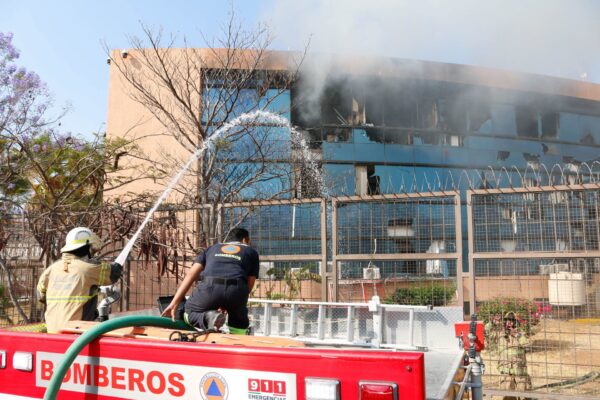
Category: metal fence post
<point>377,310</point>
<point>471,268</point>
<point>459,249</point>
<point>323,270</point>
<point>334,251</point>
<point>294,320</point>
<point>350,325</point>
<point>321,322</point>
<point>267,319</point>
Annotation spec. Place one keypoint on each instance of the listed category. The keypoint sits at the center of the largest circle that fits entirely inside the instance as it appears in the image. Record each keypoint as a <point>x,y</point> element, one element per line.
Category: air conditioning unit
<point>436,267</point>
<point>558,198</point>
<point>506,213</point>
<point>263,268</point>
<point>546,269</point>
<point>400,228</point>
<point>508,245</point>
<point>371,273</point>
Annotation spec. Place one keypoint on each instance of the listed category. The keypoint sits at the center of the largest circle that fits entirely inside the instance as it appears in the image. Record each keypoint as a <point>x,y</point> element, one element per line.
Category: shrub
<point>293,280</point>
<point>493,311</point>
<point>434,294</point>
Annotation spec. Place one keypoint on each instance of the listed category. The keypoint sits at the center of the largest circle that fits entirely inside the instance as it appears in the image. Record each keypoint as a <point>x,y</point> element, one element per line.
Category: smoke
<point>549,37</point>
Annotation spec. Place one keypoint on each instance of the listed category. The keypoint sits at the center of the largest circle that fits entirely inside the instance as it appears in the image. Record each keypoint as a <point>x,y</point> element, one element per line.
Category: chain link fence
<point>20,267</point>
<point>404,248</point>
<point>535,262</point>
<point>527,256</point>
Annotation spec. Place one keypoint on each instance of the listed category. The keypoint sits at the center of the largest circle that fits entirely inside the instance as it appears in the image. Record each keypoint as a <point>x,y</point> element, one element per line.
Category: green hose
<point>106,326</point>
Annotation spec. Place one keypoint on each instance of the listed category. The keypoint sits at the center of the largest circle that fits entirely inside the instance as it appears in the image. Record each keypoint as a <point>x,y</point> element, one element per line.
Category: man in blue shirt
<point>227,274</point>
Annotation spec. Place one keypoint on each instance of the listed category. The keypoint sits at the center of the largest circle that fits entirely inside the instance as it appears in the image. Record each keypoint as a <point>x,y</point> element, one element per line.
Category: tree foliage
<point>52,180</point>
<point>24,101</point>
<point>292,278</point>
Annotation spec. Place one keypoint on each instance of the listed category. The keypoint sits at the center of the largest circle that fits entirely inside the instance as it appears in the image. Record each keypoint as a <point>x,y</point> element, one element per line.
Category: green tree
<point>292,278</point>
<point>64,184</point>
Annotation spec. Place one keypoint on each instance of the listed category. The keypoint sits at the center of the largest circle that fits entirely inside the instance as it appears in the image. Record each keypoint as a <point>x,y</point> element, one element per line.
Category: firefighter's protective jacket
<point>69,287</point>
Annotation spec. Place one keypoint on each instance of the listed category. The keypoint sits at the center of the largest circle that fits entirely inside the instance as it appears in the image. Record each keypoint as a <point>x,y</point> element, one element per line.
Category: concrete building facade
<point>376,123</point>
<point>384,126</point>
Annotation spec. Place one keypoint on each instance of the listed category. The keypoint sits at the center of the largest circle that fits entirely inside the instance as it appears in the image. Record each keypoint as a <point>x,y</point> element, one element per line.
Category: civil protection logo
<point>230,249</point>
<point>213,387</point>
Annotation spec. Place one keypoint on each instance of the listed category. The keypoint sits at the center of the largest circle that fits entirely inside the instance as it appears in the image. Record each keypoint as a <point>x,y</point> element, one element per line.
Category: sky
<point>62,40</point>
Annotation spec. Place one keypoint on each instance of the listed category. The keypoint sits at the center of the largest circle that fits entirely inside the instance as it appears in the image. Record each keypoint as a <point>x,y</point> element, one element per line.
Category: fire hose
<point>100,329</point>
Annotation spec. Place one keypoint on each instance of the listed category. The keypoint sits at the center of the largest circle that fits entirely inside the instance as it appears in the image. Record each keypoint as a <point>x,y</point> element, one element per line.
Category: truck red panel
<point>113,368</point>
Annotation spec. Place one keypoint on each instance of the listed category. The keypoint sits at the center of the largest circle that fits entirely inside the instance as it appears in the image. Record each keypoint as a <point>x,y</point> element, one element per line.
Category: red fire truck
<point>153,363</point>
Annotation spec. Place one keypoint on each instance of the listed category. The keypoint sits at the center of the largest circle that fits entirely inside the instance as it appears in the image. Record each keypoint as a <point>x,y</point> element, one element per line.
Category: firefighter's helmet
<point>510,315</point>
<point>79,237</point>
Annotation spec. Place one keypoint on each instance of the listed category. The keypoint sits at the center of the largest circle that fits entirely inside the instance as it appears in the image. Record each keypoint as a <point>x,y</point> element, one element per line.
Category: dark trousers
<point>215,293</point>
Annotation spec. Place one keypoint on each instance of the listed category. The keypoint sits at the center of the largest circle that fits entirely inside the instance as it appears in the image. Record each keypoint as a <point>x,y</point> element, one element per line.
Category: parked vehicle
<point>154,363</point>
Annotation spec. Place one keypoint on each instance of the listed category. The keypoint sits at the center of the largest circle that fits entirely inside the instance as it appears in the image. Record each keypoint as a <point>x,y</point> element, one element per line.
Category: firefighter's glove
<point>116,270</point>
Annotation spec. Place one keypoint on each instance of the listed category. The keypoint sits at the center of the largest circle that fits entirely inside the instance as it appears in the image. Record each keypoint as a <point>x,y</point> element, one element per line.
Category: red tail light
<point>377,391</point>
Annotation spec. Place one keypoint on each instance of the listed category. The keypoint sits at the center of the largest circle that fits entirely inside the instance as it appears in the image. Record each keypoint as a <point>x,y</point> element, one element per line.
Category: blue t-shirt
<point>229,260</point>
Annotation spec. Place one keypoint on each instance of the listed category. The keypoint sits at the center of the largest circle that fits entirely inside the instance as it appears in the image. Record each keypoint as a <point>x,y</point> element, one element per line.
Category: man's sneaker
<point>214,320</point>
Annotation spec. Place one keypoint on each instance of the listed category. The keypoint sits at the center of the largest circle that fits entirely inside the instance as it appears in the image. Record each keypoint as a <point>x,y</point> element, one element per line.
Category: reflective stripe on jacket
<point>67,285</point>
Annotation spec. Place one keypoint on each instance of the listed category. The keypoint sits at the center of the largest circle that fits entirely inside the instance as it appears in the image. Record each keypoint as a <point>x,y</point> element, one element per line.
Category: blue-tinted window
<point>590,127</point>
<point>251,143</point>
<point>394,178</point>
<point>579,128</point>
<point>221,103</point>
<point>570,126</point>
<point>503,119</point>
<point>256,182</point>
<point>277,101</point>
<point>338,151</point>
<point>339,179</point>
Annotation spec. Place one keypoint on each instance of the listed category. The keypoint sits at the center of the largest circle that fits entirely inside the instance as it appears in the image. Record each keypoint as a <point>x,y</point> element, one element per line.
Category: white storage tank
<point>566,289</point>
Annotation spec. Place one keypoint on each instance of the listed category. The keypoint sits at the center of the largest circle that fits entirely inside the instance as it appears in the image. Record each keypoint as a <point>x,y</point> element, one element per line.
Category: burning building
<point>384,125</point>
<point>380,127</point>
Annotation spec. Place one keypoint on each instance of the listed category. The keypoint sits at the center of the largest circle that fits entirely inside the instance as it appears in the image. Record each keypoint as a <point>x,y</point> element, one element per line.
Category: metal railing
<point>328,314</point>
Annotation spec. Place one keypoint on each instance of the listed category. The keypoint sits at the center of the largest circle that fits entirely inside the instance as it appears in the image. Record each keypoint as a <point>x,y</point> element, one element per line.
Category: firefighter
<point>493,332</point>
<point>227,274</point>
<point>69,287</point>
<point>512,363</point>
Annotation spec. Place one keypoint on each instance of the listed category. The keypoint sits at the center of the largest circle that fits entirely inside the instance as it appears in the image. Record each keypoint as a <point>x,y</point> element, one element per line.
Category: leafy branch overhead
<point>51,179</point>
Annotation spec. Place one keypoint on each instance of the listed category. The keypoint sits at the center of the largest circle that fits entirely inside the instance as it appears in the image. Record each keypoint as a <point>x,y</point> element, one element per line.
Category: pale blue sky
<point>61,40</point>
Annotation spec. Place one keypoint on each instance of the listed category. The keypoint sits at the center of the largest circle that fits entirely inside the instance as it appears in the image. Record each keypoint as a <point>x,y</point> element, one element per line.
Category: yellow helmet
<point>79,237</point>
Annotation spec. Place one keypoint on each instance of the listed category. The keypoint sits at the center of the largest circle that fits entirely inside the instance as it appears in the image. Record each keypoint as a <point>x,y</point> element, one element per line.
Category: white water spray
<point>243,119</point>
